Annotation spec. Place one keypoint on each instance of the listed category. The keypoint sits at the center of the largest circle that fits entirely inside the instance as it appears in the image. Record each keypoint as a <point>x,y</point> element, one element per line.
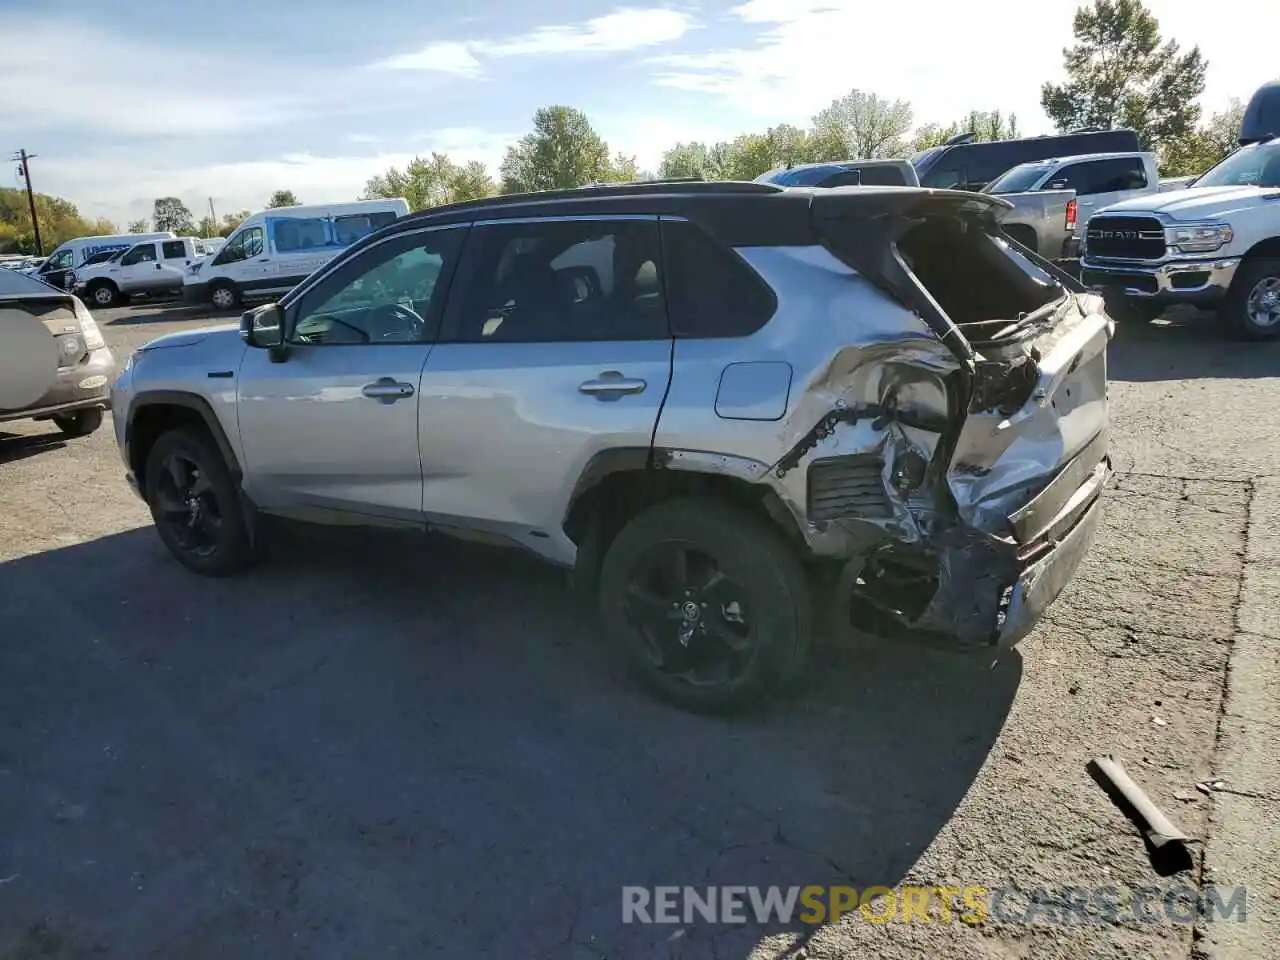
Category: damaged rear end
<point>986,466</point>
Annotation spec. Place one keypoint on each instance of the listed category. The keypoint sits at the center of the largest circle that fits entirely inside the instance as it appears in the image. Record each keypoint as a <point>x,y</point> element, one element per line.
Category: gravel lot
<point>376,746</point>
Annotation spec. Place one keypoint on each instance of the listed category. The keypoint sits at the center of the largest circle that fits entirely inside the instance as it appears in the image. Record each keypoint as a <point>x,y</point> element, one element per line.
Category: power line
<point>24,168</point>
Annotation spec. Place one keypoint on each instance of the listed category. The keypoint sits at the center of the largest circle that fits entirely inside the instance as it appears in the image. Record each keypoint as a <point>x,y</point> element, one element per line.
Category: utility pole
<point>24,167</point>
<point>213,214</point>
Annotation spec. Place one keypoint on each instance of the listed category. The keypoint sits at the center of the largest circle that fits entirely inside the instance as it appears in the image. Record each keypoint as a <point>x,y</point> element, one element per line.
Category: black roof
<point>738,213</point>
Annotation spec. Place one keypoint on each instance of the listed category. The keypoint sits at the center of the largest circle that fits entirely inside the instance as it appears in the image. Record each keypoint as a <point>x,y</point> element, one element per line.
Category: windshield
<point>1257,165</point>
<point>1021,177</point>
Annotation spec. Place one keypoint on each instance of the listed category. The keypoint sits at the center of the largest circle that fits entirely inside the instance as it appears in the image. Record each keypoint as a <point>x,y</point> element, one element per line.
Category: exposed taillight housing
<point>1071,214</point>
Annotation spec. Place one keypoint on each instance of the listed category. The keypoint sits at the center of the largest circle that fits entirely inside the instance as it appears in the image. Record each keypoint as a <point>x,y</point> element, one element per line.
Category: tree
<point>430,183</point>
<point>563,150</point>
<point>232,220</point>
<point>1119,73</point>
<point>283,198</point>
<point>863,125</point>
<point>138,226</point>
<point>1202,148</point>
<point>59,221</point>
<point>982,124</point>
<point>170,213</point>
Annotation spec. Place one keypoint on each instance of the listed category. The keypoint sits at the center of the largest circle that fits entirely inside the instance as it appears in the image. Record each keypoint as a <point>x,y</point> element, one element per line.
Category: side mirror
<point>263,327</point>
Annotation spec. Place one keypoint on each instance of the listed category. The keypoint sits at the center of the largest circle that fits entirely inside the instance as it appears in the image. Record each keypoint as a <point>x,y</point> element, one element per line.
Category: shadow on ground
<point>19,446</point>
<point>160,311</point>
<point>370,745</point>
<point>1186,345</point>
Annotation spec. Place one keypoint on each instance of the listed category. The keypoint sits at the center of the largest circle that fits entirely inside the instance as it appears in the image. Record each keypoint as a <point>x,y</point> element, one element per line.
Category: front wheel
<point>79,424</point>
<point>708,602</point>
<point>104,294</point>
<point>1252,307</point>
<point>224,296</point>
<point>196,505</point>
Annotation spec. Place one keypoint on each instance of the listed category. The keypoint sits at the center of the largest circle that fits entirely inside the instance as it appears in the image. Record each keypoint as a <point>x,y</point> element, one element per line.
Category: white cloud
<point>447,57</point>
<point>629,28</point>
<point>808,52</point>
<point>69,74</point>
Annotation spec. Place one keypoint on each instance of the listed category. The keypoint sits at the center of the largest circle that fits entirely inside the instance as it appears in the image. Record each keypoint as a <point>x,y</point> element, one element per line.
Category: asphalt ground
<point>391,746</point>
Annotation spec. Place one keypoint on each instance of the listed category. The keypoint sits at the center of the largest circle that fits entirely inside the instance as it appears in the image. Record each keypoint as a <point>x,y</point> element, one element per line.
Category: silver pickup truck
<point>1044,221</point>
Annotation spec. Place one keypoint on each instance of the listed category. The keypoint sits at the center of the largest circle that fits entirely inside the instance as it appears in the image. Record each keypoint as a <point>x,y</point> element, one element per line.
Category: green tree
<point>984,125</point>
<point>688,160</point>
<point>563,151</point>
<point>1119,73</point>
<point>170,213</point>
<point>207,227</point>
<point>59,221</point>
<point>863,126</point>
<point>232,220</point>
<point>138,226</point>
<point>283,198</point>
<point>431,182</point>
<point>1205,146</point>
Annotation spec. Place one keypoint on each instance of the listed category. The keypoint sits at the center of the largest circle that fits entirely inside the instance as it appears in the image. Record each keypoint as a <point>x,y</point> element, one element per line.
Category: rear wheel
<point>103,293</point>
<point>708,602</point>
<point>224,296</point>
<point>195,504</point>
<point>1253,303</point>
<point>79,424</point>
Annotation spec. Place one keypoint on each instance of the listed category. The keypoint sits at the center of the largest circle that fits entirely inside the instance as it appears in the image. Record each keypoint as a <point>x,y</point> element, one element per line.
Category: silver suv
<point>711,401</point>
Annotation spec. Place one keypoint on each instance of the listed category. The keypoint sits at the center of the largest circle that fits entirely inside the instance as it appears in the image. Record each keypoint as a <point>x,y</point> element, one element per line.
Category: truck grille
<point>1125,238</point>
<point>850,486</point>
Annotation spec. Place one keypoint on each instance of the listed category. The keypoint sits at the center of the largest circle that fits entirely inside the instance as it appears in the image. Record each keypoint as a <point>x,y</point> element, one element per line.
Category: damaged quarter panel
<point>867,404</point>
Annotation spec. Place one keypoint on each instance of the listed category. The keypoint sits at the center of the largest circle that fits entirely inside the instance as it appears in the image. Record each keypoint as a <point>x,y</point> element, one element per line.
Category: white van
<point>73,253</point>
<point>275,250</point>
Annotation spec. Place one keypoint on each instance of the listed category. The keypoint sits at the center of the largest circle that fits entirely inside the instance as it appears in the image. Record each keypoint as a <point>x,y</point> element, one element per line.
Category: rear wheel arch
<point>1023,234</point>
<point>619,484</point>
<point>154,413</point>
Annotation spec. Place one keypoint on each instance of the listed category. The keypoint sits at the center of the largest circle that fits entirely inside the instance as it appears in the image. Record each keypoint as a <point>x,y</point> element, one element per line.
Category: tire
<point>213,538</point>
<point>762,637</point>
<point>1123,309</point>
<point>1256,284</point>
<point>79,424</point>
<point>224,295</point>
<point>103,294</point>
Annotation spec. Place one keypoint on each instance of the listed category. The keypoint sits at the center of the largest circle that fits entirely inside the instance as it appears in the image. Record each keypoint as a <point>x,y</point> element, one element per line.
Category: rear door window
<point>294,234</point>
<point>713,292</point>
<point>1101,176</point>
<point>142,253</point>
<point>174,250</point>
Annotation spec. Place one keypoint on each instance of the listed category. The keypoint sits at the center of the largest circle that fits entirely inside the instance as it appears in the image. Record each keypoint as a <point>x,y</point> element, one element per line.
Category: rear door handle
<point>387,390</point>
<point>611,385</point>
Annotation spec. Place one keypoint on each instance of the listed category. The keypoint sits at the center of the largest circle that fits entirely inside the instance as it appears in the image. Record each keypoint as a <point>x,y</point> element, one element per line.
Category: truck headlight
<point>1199,237</point>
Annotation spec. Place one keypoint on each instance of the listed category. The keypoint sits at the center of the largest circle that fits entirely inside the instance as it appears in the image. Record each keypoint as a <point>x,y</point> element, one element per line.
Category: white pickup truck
<point>1097,179</point>
<point>150,267</point>
<point>1215,244</point>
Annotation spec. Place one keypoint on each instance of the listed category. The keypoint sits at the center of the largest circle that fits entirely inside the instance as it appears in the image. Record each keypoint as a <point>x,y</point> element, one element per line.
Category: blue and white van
<point>273,251</point>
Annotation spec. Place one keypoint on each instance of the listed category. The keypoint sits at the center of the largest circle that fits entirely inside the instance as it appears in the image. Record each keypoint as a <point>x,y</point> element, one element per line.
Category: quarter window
<point>143,253</point>
<point>348,229</point>
<point>391,293</point>
<point>714,292</point>
<point>563,280</point>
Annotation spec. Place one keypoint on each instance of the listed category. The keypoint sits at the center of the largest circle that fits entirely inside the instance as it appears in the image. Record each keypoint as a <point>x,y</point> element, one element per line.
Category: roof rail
<point>675,185</point>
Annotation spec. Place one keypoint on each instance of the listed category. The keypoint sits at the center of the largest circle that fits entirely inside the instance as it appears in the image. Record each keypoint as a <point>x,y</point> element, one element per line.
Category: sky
<point>229,100</point>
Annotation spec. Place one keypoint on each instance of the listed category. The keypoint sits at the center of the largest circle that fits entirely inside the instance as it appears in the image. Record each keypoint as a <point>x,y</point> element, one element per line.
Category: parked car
<point>1095,180</point>
<point>151,268</point>
<point>211,245</point>
<point>845,173</point>
<point>63,367</point>
<point>963,164</point>
<point>1215,244</point>
<point>274,251</point>
<point>703,398</point>
<point>72,254</point>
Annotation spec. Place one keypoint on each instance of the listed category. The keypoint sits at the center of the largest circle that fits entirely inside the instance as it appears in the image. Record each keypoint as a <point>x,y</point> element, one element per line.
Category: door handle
<point>387,390</point>
<point>611,385</point>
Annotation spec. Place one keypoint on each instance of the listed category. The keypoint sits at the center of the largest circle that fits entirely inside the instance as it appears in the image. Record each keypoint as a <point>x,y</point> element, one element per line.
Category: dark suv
<point>704,398</point>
